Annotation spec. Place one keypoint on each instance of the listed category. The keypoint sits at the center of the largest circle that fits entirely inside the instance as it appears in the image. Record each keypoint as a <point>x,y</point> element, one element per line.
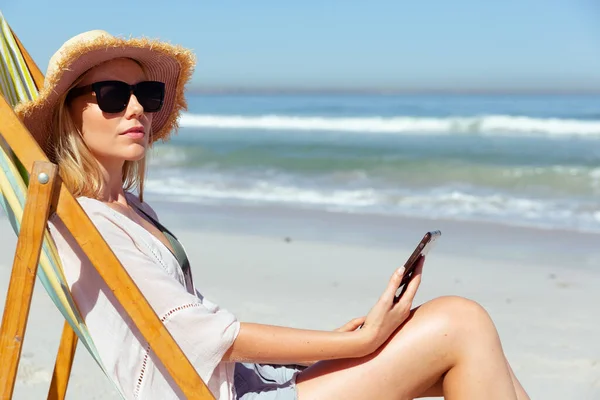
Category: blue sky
<point>459,45</point>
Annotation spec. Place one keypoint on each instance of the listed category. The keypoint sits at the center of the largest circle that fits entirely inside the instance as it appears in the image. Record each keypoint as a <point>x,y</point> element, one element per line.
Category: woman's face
<point>113,138</point>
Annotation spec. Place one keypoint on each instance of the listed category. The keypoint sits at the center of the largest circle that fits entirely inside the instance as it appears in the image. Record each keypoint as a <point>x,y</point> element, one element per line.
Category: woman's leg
<point>437,389</point>
<point>519,389</point>
<point>449,339</point>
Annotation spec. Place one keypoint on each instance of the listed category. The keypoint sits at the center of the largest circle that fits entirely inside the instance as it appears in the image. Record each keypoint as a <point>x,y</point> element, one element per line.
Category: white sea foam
<point>438,203</point>
<point>490,124</point>
<point>264,192</point>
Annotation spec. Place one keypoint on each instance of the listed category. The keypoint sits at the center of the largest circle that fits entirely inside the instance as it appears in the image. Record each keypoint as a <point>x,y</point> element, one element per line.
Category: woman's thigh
<point>412,360</point>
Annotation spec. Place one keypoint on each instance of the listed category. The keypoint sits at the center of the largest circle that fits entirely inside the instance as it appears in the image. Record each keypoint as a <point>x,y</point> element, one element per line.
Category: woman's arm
<point>279,345</point>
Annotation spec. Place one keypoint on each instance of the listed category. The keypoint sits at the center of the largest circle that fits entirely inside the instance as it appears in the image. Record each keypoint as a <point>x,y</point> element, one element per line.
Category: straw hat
<point>163,62</point>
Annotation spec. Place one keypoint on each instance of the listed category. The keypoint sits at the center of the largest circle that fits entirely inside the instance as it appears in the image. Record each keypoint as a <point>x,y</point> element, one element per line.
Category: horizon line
<point>198,89</point>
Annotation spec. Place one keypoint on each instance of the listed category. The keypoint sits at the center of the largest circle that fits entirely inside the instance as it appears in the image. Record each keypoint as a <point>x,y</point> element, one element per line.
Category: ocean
<point>512,159</point>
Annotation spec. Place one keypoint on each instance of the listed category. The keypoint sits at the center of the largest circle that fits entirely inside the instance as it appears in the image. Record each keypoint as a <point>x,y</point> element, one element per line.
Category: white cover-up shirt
<point>202,329</point>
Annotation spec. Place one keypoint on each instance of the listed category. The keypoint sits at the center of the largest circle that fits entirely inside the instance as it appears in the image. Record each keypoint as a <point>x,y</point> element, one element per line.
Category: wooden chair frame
<point>47,195</point>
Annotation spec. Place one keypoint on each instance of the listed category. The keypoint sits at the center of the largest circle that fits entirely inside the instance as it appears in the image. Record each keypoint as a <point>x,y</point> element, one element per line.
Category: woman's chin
<point>134,152</point>
<point>135,155</point>
<point>138,158</point>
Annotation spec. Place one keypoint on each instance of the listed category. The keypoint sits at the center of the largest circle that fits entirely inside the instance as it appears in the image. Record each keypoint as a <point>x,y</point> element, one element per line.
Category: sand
<point>318,270</point>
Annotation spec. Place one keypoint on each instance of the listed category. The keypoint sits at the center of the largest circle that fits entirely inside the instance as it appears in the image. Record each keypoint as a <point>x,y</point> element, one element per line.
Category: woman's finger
<point>413,284</point>
<point>390,291</point>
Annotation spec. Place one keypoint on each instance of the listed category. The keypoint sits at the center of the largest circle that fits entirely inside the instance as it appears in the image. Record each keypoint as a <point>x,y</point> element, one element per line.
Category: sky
<point>418,45</point>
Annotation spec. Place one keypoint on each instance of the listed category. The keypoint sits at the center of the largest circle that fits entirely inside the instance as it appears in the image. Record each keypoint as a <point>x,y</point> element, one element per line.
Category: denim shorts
<point>265,381</point>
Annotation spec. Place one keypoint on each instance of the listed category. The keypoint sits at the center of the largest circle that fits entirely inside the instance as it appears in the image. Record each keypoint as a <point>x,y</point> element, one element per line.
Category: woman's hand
<point>386,316</point>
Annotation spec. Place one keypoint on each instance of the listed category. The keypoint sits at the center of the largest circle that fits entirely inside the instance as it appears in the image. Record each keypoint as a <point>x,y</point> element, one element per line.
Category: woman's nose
<point>134,107</point>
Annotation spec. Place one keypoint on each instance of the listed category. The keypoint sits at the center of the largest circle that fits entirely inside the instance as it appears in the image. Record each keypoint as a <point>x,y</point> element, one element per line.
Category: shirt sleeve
<point>203,332</point>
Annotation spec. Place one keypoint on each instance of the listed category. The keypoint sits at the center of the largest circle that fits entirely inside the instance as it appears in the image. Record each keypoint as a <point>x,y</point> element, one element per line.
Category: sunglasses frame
<point>97,86</point>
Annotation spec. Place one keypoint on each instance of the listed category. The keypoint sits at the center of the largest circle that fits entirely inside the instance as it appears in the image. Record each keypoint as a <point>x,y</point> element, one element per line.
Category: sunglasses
<point>113,96</point>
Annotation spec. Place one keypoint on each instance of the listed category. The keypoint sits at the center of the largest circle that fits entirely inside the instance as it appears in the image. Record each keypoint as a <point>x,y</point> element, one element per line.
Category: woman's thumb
<point>352,325</point>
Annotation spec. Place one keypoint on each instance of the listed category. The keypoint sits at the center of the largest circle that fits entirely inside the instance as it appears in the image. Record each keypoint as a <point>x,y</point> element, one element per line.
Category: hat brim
<point>162,62</point>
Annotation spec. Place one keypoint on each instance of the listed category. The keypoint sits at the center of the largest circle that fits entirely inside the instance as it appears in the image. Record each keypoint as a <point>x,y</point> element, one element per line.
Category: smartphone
<point>421,250</point>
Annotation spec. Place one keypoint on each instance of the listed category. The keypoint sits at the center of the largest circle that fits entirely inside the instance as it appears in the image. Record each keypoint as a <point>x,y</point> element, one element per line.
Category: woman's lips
<point>135,133</point>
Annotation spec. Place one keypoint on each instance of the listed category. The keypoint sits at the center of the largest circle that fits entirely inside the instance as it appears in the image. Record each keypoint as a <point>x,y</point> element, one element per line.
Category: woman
<point>106,100</point>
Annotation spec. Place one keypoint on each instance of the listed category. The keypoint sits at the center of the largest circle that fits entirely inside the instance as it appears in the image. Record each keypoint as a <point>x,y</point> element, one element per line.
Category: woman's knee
<point>455,314</point>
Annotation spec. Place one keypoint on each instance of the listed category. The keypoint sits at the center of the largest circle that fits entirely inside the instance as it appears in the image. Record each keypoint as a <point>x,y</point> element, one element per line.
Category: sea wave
<point>434,203</point>
<point>489,124</point>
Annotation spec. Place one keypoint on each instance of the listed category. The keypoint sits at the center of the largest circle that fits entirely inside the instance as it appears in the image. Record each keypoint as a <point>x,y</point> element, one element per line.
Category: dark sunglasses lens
<point>112,97</point>
<point>150,95</point>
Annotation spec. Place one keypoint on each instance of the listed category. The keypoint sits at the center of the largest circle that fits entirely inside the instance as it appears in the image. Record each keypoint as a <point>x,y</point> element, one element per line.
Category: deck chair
<point>30,192</point>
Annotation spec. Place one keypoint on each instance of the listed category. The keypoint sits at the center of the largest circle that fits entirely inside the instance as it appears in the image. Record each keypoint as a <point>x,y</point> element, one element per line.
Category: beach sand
<point>318,270</point>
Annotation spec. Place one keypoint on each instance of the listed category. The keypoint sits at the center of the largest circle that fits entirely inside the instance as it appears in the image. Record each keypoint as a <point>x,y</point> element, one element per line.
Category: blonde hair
<point>77,166</point>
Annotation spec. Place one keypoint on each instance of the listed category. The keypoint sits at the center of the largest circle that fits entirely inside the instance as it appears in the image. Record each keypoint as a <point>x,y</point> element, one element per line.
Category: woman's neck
<point>113,185</point>
<point>114,196</point>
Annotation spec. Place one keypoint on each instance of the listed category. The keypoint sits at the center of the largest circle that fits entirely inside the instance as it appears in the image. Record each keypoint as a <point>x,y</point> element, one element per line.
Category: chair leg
<point>64,362</point>
<point>22,280</point>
